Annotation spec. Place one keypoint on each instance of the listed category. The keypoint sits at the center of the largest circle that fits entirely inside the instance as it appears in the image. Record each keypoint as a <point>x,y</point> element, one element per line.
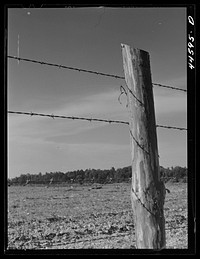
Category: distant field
<point>61,217</point>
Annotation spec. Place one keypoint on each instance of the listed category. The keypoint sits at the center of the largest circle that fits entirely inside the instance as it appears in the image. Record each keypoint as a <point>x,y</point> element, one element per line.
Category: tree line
<point>90,176</point>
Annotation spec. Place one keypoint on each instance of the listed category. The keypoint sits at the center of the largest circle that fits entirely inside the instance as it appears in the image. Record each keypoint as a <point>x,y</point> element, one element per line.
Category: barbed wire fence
<point>123,90</point>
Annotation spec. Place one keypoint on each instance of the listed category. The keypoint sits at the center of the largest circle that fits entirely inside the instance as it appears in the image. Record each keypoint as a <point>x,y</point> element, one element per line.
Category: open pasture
<point>61,217</point>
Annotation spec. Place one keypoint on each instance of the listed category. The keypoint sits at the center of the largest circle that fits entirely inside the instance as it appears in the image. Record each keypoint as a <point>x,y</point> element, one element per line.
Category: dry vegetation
<point>61,217</point>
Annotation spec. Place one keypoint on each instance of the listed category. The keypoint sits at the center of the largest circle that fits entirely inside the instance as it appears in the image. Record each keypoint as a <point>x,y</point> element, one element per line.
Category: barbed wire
<point>170,127</point>
<point>143,205</point>
<point>86,119</point>
<point>68,117</point>
<point>65,67</point>
<point>170,87</point>
<point>139,145</point>
<point>86,71</point>
<point>123,91</point>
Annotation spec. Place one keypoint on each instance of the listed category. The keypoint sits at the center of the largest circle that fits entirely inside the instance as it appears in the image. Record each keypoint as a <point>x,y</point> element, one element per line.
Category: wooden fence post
<point>147,191</point>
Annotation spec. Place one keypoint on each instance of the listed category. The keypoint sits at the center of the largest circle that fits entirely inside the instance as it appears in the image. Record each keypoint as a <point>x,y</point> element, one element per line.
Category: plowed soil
<point>61,217</point>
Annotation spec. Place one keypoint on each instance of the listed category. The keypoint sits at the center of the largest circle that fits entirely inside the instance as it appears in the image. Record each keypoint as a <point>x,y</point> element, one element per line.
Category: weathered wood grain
<point>147,193</point>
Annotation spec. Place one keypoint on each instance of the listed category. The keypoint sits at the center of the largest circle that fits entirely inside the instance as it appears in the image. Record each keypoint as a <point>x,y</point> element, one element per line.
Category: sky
<point>90,38</point>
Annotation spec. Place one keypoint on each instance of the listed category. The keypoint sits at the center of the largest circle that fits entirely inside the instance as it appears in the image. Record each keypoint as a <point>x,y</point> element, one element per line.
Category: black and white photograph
<point>97,128</point>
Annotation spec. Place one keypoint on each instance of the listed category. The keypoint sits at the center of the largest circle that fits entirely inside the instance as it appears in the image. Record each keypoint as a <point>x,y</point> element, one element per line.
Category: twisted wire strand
<point>86,119</point>
<point>86,71</point>
<point>68,117</point>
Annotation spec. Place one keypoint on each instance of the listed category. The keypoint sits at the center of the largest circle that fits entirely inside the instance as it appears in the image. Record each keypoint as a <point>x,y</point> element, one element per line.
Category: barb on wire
<point>52,116</point>
<point>86,71</point>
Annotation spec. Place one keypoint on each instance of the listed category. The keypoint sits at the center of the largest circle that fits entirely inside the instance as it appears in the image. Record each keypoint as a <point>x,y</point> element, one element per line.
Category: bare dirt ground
<point>81,217</point>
